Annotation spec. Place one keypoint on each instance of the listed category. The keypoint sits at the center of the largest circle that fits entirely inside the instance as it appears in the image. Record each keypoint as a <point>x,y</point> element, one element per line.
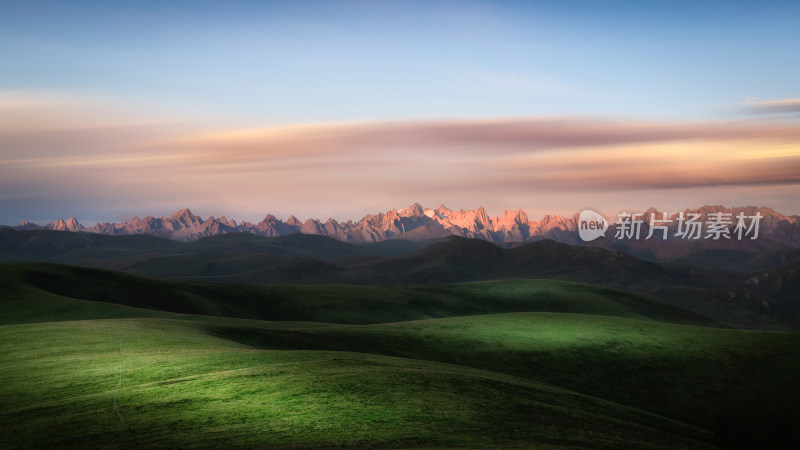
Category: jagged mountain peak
<point>414,223</point>
<point>70,224</point>
<point>184,213</point>
<point>513,217</point>
<point>413,210</point>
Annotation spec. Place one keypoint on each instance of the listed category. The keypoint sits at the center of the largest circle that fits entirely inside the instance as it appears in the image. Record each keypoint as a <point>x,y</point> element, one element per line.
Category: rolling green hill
<point>540,363</point>
<point>71,247</point>
<point>27,284</point>
<point>739,384</point>
<point>182,387</point>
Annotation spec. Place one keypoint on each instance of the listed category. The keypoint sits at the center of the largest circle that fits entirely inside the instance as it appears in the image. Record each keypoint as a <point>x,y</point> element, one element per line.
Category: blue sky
<point>111,109</point>
<point>280,62</point>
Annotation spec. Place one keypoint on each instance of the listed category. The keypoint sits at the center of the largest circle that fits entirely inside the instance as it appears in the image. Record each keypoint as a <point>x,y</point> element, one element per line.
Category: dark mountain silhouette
<point>763,298</point>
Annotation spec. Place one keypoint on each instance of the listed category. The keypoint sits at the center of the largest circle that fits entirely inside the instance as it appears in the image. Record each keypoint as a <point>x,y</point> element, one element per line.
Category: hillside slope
<point>27,284</point>
<point>739,384</point>
<point>181,387</point>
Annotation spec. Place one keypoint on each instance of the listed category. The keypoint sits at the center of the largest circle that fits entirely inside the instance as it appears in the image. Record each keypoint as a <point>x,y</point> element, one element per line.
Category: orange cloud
<point>162,160</point>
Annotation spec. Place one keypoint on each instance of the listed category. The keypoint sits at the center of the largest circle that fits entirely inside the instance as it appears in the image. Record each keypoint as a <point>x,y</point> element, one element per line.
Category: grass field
<point>738,383</point>
<point>585,366</point>
<point>182,386</point>
<point>37,291</point>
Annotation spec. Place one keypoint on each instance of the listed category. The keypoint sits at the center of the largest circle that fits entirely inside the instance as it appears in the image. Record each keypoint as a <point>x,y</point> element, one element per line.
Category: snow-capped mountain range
<point>415,223</point>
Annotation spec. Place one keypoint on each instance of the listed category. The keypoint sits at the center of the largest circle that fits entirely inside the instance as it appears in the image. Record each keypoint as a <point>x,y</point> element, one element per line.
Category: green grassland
<point>531,363</point>
<point>181,386</point>
<point>34,290</point>
<point>740,384</point>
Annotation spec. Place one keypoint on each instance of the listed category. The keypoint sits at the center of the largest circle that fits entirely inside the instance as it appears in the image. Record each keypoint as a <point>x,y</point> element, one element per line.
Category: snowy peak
<point>294,222</point>
<point>416,222</point>
<point>185,218</point>
<point>70,224</point>
<point>415,210</point>
<point>511,218</point>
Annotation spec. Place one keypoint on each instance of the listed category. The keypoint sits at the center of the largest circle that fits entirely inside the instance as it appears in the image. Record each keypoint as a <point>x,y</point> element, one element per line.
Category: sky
<point>339,109</point>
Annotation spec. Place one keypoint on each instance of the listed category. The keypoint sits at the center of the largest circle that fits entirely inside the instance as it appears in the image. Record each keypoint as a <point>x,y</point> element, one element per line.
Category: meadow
<point>531,363</point>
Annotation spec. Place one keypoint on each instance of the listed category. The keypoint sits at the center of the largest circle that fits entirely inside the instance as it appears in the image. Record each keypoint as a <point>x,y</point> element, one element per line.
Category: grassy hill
<point>739,384</point>
<point>540,363</point>
<point>182,387</point>
<point>28,284</point>
<point>71,247</point>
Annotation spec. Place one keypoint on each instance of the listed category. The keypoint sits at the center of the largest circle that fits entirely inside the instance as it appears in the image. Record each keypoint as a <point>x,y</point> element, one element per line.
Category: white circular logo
<point>591,225</point>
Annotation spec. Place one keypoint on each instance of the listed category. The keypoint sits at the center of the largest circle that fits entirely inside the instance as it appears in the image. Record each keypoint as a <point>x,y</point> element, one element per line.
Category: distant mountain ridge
<point>419,223</point>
